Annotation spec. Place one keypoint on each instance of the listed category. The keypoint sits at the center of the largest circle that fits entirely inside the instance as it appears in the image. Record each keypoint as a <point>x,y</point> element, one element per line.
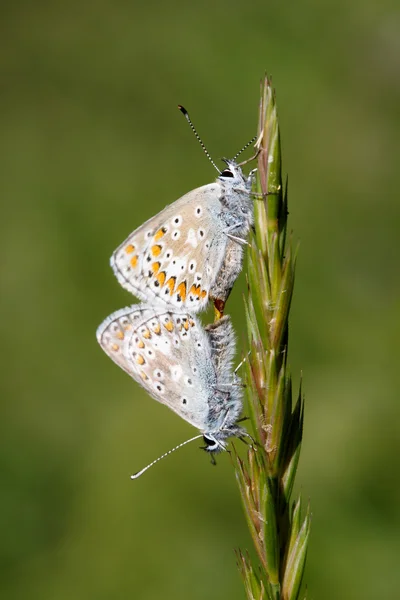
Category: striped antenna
<point>189,120</point>
<point>245,147</point>
<point>139,473</point>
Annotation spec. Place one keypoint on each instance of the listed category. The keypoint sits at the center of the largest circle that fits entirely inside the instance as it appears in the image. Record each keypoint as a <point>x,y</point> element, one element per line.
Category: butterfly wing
<point>174,257</point>
<point>168,353</point>
<point>115,333</point>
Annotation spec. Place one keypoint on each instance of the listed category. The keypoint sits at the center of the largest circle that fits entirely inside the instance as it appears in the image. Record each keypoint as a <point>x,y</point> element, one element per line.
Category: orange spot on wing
<point>195,290</point>
<point>140,360</point>
<point>161,278</point>
<point>156,250</point>
<point>159,234</point>
<point>171,285</point>
<point>129,249</point>
<point>146,334</point>
<point>203,294</point>
<point>140,344</point>
<point>169,326</point>
<point>181,290</point>
<point>156,266</point>
<point>120,335</point>
<point>157,329</point>
<point>143,376</point>
<point>134,260</point>
<point>186,325</point>
<point>115,347</point>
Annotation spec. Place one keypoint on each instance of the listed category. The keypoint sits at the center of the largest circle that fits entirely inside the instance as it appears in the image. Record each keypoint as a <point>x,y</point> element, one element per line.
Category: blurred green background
<point>92,144</point>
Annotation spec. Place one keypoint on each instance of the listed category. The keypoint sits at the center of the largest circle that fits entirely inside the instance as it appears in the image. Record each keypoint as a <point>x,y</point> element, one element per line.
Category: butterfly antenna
<point>139,473</point>
<point>188,119</point>
<point>241,363</point>
<point>245,147</point>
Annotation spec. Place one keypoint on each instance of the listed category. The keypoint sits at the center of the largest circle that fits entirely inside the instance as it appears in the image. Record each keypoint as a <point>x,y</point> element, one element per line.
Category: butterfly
<point>191,252</point>
<point>180,364</point>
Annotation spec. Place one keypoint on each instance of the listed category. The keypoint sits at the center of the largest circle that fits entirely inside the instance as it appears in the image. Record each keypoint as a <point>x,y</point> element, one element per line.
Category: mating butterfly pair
<point>188,254</point>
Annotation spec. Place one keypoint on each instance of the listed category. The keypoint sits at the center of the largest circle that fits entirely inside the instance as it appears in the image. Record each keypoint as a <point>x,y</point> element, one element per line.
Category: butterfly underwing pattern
<point>181,364</point>
<point>191,251</point>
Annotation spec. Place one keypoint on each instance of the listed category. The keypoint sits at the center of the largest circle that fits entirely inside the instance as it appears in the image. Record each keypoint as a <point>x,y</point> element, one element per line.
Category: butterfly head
<point>232,172</point>
<point>225,425</point>
<point>212,444</point>
<point>232,176</point>
<point>215,441</point>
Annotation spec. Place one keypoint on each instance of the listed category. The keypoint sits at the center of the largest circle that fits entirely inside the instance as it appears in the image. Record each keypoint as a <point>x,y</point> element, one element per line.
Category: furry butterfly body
<point>181,364</point>
<point>191,251</point>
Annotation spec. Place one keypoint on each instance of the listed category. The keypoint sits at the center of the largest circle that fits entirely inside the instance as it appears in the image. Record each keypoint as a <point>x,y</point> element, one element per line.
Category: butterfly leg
<point>237,239</point>
<point>242,419</point>
<point>240,364</point>
<point>253,442</point>
<point>260,196</point>
<point>243,439</point>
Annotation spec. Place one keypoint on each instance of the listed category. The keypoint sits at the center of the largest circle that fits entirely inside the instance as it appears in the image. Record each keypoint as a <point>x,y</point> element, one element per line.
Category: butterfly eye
<point>227,173</point>
<point>210,443</point>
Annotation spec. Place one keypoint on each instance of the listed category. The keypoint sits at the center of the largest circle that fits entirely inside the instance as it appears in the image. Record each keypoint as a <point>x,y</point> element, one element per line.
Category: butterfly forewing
<point>168,353</point>
<point>174,258</point>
